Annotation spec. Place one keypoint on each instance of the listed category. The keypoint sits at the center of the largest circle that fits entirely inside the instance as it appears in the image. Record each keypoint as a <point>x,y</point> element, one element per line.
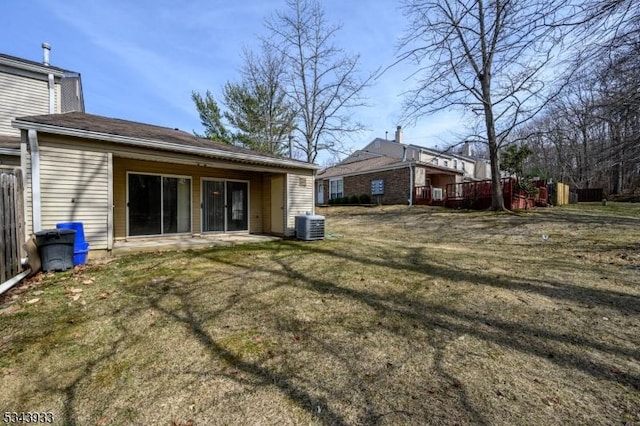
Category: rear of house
<point>127,180</point>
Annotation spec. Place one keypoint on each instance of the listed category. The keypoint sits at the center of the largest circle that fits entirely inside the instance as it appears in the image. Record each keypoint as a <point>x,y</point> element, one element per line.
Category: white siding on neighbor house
<point>469,168</point>
<point>482,170</point>
<point>74,187</point>
<point>300,189</point>
<point>420,176</point>
<point>22,96</point>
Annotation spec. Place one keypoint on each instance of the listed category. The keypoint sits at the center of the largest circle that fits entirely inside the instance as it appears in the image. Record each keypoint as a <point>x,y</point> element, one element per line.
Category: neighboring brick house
<point>386,180</point>
<point>391,172</point>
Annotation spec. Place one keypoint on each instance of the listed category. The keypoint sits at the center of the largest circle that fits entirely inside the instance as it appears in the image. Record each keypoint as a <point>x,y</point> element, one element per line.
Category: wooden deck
<point>477,195</point>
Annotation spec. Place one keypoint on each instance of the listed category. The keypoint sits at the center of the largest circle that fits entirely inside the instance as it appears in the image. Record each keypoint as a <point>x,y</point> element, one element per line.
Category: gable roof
<point>366,165</point>
<point>361,162</point>
<point>359,156</point>
<point>132,133</point>
<point>32,66</point>
<point>374,144</point>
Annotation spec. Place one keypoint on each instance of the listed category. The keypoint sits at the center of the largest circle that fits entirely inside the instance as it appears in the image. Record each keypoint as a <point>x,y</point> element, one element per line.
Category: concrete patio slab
<point>135,245</point>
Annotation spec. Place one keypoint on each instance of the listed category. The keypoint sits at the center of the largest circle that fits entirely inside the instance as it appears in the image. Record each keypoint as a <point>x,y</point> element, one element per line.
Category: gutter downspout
<point>13,281</point>
<point>404,158</point>
<point>52,95</point>
<point>315,195</point>
<point>36,204</point>
<point>411,183</point>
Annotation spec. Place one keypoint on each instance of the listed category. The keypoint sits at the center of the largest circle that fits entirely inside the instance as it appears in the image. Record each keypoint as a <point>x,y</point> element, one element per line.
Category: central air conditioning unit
<point>309,227</point>
<point>437,194</point>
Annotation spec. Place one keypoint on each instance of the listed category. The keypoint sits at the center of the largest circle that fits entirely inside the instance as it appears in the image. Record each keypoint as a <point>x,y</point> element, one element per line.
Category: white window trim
<point>341,193</point>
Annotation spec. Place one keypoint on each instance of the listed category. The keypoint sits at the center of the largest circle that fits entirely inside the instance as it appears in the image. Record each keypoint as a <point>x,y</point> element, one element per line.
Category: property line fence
<point>590,194</point>
<point>11,222</point>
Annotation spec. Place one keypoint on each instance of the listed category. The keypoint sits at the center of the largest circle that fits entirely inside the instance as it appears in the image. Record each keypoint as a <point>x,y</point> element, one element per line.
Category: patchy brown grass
<point>401,316</point>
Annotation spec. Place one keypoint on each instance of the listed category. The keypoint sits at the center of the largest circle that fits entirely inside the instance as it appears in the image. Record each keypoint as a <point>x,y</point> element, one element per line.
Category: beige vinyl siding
<point>266,203</point>
<point>132,159</point>
<point>74,187</point>
<point>123,165</point>
<point>22,96</point>
<point>300,190</point>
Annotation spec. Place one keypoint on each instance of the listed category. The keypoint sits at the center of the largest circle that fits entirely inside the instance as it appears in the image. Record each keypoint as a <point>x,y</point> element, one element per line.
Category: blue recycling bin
<point>80,254</point>
<point>80,246</point>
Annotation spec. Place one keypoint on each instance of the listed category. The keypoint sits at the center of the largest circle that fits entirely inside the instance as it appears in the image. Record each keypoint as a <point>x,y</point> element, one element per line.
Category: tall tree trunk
<point>497,200</point>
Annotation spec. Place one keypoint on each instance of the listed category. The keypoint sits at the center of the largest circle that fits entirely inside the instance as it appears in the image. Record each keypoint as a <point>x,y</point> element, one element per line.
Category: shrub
<point>354,199</point>
<point>365,199</point>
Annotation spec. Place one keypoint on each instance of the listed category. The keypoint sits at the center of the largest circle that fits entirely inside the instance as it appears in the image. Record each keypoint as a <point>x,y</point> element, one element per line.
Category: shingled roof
<point>163,138</point>
<point>361,162</point>
<point>363,166</point>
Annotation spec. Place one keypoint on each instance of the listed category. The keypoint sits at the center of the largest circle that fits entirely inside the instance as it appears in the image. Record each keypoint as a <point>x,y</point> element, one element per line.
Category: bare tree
<point>321,80</point>
<point>487,58</point>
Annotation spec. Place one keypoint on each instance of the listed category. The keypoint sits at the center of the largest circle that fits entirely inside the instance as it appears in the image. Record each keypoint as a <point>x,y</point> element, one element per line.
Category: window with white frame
<point>455,164</point>
<point>462,165</point>
<point>435,161</point>
<point>446,163</point>
<point>335,188</point>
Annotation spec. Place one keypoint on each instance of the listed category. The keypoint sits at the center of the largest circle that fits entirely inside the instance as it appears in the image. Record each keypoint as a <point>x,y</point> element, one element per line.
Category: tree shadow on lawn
<point>536,341</point>
<point>416,262</point>
<point>187,315</point>
<point>563,349</point>
<point>533,340</point>
<point>70,391</point>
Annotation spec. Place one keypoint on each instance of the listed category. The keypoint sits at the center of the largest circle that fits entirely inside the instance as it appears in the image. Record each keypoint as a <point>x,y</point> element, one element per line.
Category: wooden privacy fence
<point>11,222</point>
<point>590,194</point>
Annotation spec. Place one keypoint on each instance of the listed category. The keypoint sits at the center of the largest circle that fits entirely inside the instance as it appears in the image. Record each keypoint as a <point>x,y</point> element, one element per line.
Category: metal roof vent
<point>310,227</point>
<point>46,50</point>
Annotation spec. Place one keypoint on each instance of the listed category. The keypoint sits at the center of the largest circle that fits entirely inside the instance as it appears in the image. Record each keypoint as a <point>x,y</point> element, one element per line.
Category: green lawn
<point>400,316</point>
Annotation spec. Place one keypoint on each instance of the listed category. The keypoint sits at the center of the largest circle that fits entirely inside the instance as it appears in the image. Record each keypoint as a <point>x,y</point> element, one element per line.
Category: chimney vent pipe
<point>399,134</point>
<point>46,50</point>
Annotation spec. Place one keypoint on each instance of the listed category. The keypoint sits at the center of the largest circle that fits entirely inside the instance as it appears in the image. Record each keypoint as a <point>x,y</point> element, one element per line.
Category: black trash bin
<point>55,247</point>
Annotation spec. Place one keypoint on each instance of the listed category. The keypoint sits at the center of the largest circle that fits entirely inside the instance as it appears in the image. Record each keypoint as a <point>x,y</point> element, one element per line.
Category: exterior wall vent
<point>310,227</point>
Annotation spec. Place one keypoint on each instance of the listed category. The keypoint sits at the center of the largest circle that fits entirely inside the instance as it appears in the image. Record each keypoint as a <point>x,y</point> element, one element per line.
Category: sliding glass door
<point>145,195</point>
<point>158,204</point>
<point>213,202</point>
<point>225,206</point>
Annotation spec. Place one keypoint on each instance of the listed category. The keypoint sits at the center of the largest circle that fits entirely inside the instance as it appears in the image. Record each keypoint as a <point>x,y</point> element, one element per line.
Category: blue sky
<point>140,60</point>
